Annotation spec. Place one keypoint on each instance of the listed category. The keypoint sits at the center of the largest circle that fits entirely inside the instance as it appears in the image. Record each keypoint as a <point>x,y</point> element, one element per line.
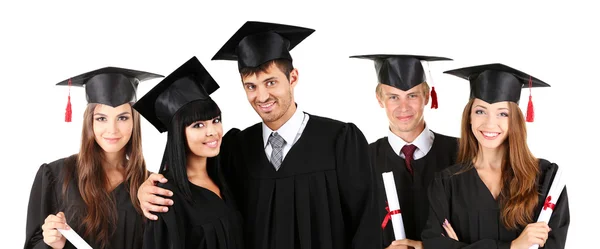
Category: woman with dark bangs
<point>94,191</point>
<point>203,214</point>
<point>493,196</point>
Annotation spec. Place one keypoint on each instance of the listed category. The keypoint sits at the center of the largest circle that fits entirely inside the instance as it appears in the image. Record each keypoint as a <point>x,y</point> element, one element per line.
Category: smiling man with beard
<point>302,181</point>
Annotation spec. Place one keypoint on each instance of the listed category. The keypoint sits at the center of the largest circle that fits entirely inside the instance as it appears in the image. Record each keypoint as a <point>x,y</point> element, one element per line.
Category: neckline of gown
<point>487,191</point>
<point>222,197</point>
<point>117,187</point>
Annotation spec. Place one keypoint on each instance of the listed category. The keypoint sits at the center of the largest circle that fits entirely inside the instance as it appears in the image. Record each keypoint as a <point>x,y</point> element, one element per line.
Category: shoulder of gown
<point>43,201</point>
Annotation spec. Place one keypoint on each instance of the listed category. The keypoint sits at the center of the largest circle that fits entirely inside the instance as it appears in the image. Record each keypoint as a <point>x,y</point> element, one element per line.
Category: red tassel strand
<point>69,111</point>
<point>434,100</point>
<point>530,112</point>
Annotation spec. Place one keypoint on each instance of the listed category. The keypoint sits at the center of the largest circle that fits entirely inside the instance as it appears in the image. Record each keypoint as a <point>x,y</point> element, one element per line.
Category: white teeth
<point>267,106</point>
<point>490,134</point>
<point>212,143</point>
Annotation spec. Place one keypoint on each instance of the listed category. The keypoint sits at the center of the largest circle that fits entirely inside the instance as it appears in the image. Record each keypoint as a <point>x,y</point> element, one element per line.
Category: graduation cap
<point>402,71</point>
<point>188,83</point>
<point>497,82</point>
<point>258,42</point>
<point>111,86</point>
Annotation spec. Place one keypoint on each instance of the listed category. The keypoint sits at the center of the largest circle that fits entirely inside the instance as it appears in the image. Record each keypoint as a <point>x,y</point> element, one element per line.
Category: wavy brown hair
<point>520,168</point>
<point>100,218</point>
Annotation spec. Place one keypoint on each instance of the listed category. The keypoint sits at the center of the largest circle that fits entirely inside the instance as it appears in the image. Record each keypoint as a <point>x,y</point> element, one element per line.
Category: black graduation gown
<point>321,197</point>
<point>412,190</point>
<point>208,222</point>
<point>46,198</point>
<point>475,215</point>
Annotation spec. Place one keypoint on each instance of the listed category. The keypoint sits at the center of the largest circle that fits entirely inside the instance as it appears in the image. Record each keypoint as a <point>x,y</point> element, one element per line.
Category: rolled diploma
<point>75,239</point>
<point>393,204</point>
<point>558,184</point>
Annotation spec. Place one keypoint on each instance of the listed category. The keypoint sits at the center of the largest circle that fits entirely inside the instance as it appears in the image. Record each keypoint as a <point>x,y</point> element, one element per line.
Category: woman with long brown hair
<point>94,191</point>
<point>492,197</point>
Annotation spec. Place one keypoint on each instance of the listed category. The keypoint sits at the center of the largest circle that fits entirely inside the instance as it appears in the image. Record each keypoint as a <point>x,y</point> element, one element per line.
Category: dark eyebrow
<point>104,115</point>
<point>481,106</point>
<point>270,79</point>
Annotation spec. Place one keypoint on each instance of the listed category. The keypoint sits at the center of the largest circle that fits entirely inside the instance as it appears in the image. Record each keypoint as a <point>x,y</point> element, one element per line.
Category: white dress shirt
<point>290,131</point>
<point>424,142</point>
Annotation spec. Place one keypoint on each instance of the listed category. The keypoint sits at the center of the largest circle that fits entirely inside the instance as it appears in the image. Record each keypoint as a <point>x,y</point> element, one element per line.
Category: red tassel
<point>434,101</point>
<point>530,113</point>
<point>69,112</point>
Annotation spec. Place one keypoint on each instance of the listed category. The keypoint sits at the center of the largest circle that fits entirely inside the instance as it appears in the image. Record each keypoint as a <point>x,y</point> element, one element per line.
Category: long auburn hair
<point>100,216</point>
<point>520,168</point>
<point>174,162</point>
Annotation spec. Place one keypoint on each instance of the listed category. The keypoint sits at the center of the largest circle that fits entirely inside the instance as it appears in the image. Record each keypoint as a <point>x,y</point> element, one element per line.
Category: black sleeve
<point>42,202</point>
<point>357,188</point>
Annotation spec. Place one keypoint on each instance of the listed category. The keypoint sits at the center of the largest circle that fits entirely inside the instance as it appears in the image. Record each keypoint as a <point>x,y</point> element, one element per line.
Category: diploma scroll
<point>558,184</point>
<point>393,209</point>
<point>75,239</point>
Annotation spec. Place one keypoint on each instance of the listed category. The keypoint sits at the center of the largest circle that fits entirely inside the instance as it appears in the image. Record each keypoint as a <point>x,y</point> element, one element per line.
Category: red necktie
<point>408,151</point>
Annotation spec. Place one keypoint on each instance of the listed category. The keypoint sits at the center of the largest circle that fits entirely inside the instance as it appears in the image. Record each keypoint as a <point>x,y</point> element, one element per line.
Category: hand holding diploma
<point>56,232</point>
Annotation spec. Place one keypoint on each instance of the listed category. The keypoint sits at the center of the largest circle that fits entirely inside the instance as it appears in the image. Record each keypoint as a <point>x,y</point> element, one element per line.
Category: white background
<point>46,42</point>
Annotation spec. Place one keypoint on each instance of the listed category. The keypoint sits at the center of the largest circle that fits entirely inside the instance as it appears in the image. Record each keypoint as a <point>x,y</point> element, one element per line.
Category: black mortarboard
<point>401,71</point>
<point>258,42</point>
<point>497,82</point>
<point>111,86</point>
<point>189,82</point>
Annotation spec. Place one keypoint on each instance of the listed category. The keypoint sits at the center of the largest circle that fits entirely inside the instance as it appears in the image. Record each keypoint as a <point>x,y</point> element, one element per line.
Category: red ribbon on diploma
<point>388,216</point>
<point>548,204</point>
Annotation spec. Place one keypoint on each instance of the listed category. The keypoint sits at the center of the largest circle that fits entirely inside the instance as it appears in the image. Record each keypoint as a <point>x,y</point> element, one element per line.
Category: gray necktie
<point>277,142</point>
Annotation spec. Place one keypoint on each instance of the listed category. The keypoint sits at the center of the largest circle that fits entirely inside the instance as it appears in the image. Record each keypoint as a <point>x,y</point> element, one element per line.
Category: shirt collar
<point>288,130</point>
<point>423,142</point>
